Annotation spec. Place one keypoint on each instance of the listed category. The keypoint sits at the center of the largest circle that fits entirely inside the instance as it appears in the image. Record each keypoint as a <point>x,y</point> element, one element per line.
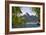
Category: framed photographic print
<point>24,17</point>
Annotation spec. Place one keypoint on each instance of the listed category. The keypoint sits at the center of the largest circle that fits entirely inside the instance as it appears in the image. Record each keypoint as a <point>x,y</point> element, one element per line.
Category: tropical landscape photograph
<point>25,17</point>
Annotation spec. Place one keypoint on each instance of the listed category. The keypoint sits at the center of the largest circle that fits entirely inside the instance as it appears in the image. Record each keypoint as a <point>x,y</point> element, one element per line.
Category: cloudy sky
<point>28,10</point>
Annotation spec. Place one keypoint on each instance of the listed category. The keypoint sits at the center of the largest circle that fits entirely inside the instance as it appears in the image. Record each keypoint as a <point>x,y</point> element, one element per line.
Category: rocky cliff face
<point>30,18</point>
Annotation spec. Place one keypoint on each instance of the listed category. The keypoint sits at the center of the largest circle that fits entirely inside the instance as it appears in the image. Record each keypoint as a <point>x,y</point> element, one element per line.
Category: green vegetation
<point>17,21</point>
<point>37,10</point>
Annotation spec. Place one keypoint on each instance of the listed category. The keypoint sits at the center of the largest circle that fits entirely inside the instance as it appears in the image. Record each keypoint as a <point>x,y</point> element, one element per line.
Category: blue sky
<point>28,10</point>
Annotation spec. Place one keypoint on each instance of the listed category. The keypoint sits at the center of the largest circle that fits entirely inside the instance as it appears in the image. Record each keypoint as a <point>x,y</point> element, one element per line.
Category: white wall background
<point>2,17</point>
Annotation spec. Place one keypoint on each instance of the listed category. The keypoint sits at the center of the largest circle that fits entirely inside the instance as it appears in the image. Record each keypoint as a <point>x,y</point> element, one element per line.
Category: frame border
<point>7,16</point>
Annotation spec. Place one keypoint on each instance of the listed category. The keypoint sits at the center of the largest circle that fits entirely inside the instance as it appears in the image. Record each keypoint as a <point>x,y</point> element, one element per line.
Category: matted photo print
<point>24,17</point>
